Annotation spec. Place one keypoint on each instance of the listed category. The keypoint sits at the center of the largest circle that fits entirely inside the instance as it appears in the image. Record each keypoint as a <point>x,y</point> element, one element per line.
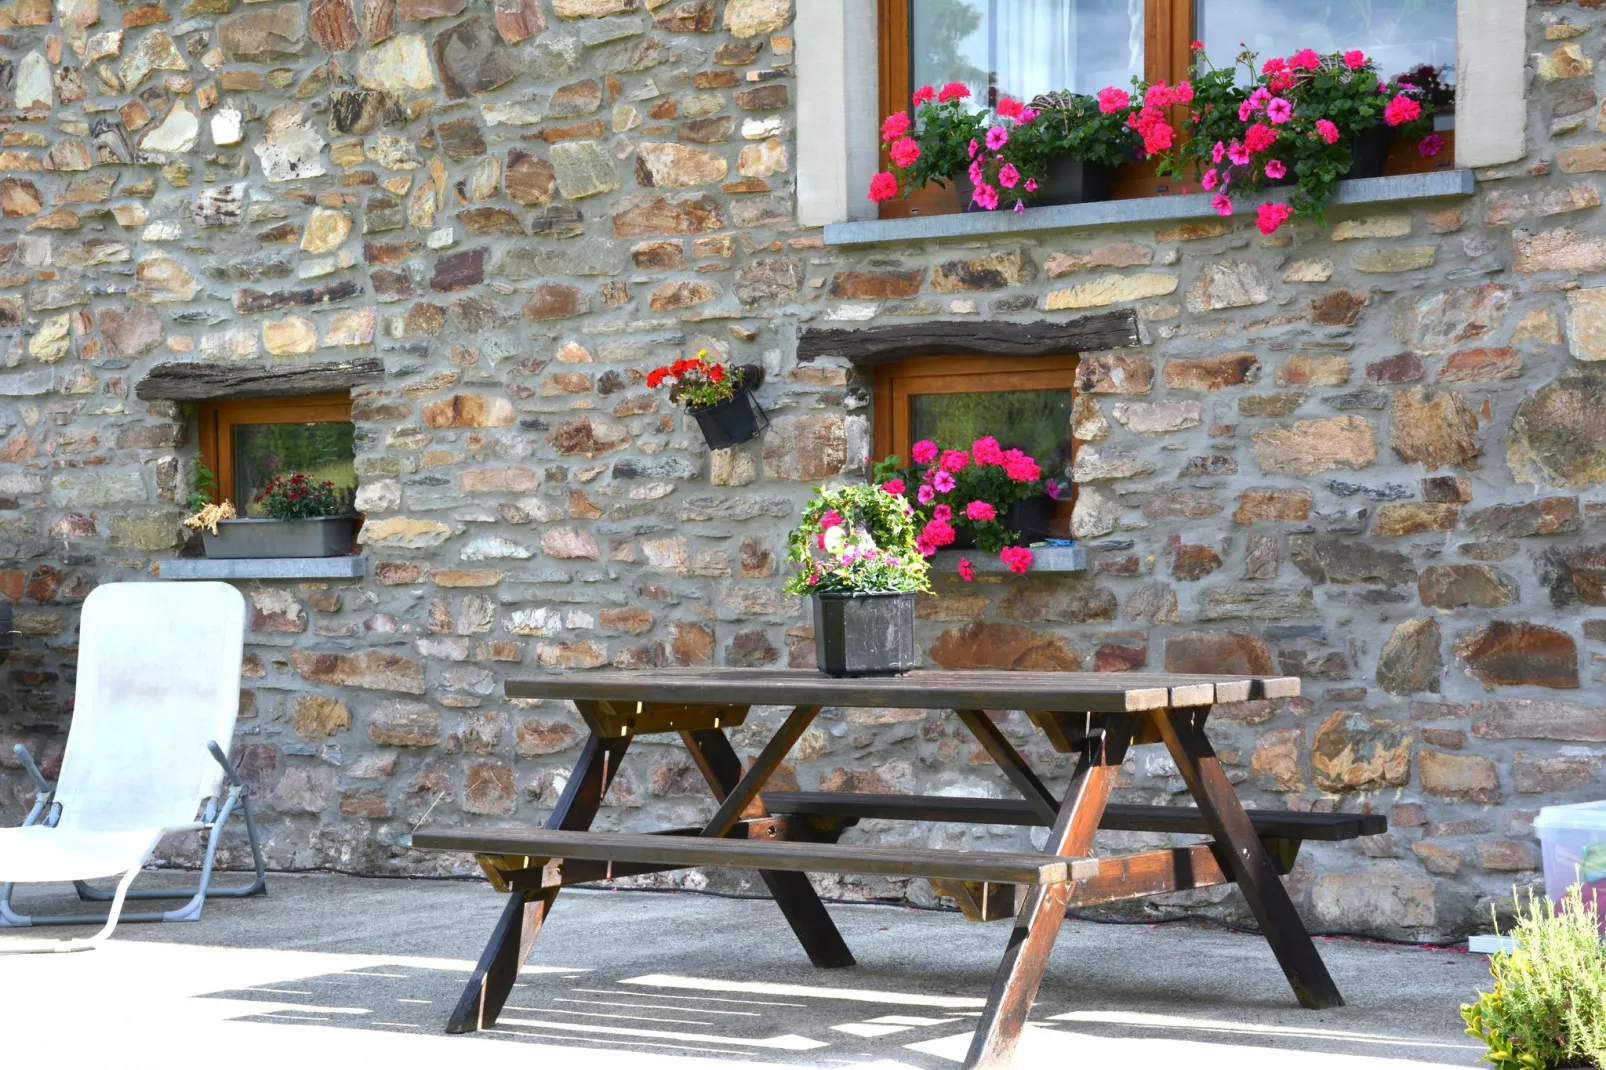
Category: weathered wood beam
<point>877,345</point>
<point>197,381</point>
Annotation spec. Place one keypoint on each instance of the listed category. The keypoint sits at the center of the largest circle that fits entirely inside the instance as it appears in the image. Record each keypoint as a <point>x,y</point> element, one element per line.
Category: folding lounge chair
<point>158,688</point>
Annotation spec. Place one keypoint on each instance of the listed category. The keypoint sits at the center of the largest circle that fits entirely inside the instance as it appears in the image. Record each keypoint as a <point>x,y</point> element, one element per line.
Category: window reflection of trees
<point>1399,33</point>
<point>1037,421</point>
<point>320,450</point>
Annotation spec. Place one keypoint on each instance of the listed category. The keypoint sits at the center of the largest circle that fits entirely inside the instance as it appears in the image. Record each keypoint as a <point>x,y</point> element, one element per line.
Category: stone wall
<point>1371,455</point>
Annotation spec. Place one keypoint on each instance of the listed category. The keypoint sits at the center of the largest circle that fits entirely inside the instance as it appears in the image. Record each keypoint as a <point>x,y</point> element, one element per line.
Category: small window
<point>1024,402</point>
<point>247,442</point>
<point>1021,48</point>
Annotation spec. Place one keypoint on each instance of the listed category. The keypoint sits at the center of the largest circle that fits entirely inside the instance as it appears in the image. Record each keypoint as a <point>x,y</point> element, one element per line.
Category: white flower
<point>835,539</point>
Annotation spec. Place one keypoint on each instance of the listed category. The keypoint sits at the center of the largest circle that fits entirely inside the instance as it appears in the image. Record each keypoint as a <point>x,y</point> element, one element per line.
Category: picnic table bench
<point>785,835</point>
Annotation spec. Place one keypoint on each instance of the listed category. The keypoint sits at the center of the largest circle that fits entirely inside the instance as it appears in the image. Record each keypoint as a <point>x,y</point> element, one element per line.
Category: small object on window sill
<point>263,568</point>
<point>1054,556</point>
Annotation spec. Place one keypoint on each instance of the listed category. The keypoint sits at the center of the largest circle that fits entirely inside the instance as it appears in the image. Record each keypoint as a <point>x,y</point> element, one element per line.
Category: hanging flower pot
<point>718,396</point>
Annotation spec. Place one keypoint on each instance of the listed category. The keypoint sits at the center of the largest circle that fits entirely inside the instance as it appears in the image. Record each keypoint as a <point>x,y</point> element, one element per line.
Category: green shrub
<point>1548,1007</point>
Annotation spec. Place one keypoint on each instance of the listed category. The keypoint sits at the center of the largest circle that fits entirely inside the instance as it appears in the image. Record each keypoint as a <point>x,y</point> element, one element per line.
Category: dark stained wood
<point>792,892</point>
<point>1246,859</point>
<point>1008,759</point>
<point>1043,907</point>
<point>627,717</point>
<point>197,381</point>
<point>774,752</point>
<point>874,345</point>
<point>1176,869</point>
<point>1187,820</point>
<point>520,923</point>
<point>685,851</point>
<point>522,872</point>
<point>1074,692</point>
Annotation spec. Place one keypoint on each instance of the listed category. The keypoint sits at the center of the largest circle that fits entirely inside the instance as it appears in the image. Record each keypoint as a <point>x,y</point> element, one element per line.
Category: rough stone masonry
<point>1372,455</point>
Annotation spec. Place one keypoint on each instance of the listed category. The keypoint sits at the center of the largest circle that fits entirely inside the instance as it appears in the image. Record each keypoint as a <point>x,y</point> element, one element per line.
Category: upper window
<point>1022,48</point>
<point>247,442</point>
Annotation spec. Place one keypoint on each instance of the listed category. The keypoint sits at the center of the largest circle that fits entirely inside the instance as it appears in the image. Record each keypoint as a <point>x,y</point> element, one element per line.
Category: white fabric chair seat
<point>36,854</point>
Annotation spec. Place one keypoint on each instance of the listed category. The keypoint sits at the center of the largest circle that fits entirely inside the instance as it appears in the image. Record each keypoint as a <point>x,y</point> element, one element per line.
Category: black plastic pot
<point>857,634</point>
<point>731,422</point>
<point>1369,152</point>
<point>1029,516</point>
<point>253,537</point>
<point>1073,181</point>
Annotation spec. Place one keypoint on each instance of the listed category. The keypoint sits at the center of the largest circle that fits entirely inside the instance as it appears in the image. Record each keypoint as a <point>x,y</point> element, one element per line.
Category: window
<point>247,442</point>
<point>1022,48</point>
<point>1024,402</point>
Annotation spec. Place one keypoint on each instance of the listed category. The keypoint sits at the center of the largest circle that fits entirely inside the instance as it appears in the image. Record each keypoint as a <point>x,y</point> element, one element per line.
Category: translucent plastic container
<point>1573,840</point>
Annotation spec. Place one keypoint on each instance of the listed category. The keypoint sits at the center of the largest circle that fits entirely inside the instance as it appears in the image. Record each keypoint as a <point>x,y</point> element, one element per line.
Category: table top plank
<point>1064,692</point>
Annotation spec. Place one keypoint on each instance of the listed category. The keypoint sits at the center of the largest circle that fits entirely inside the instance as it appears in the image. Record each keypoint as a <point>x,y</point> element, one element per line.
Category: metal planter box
<point>323,536</point>
<point>859,634</point>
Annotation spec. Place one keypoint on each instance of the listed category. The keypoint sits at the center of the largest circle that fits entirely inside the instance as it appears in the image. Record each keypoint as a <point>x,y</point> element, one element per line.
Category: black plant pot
<point>1073,181</point>
<point>1029,516</point>
<point>731,422</point>
<point>858,634</point>
<point>1369,152</point>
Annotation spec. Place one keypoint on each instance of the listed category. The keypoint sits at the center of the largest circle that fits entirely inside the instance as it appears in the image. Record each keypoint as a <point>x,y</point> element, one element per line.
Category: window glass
<point>1021,48</point>
<point>1036,421</point>
<point>1400,35</point>
<point>320,450</point>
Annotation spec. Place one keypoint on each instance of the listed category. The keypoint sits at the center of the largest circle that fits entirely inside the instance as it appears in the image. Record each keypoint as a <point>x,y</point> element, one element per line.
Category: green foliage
<point>298,498</point>
<point>1548,1007</point>
<point>983,477</point>
<point>944,131</point>
<point>855,538</point>
<point>203,486</point>
<point>1073,126</point>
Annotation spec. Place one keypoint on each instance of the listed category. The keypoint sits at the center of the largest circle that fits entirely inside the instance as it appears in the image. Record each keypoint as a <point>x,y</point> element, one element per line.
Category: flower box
<point>321,536</point>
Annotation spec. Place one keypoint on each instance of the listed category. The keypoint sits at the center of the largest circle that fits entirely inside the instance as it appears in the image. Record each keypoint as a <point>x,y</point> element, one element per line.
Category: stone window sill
<point>263,568</point>
<point>1045,559</point>
<point>1392,189</point>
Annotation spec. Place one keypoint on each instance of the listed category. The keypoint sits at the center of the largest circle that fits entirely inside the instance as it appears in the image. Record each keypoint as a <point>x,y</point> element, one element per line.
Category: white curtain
<point>1044,46</point>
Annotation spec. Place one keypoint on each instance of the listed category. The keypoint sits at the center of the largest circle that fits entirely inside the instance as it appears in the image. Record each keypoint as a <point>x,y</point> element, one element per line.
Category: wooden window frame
<point>216,421</point>
<point>1167,39</point>
<point>898,381</point>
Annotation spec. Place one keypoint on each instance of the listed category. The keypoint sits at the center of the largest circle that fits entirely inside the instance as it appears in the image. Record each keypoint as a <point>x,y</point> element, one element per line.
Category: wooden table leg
<point>1242,853</point>
<point>515,932</point>
<point>1043,908</point>
<point>792,892</point>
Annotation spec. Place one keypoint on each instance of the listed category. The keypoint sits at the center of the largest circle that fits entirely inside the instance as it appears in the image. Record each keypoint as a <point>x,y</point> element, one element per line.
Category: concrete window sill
<point>1357,192</point>
<point>1045,559</point>
<point>263,568</point>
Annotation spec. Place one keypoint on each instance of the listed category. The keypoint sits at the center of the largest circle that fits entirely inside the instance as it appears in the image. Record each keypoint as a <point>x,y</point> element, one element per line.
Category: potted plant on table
<point>305,518</point>
<point>1304,121</point>
<point>984,497</point>
<point>718,396</point>
<point>855,555</point>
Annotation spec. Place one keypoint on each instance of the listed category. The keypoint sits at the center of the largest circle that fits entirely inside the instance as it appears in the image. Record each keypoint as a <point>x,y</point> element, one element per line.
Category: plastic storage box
<point>1573,841</point>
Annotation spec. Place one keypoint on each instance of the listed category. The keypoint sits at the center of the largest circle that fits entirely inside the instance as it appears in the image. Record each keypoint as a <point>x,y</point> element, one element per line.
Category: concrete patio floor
<point>330,970</point>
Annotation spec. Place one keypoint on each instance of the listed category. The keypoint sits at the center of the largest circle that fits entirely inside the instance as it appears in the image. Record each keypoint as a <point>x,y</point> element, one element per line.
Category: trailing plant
<point>956,489</point>
<point>203,487</point>
<point>1548,1006</point>
<point>857,538</point>
<point>699,383</point>
<point>295,497</point>
<point>1294,119</point>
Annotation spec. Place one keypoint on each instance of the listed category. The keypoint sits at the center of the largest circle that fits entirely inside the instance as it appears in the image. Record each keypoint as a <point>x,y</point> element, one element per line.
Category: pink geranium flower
<point>895,126</point>
<point>980,511</point>
<point>967,571</point>
<point>1009,108</point>
<point>975,148</point>
<point>1305,58</point>
<point>1222,204</point>
<point>1402,109</point>
<point>1208,180</point>
<point>1259,138</point>
<point>1018,558</point>
<point>985,196</point>
<point>1328,131</point>
<point>953,91</point>
<point>997,138</point>
<point>1027,115</point>
<point>1112,100</point>
<point>1270,216</point>
<point>977,175</point>
<point>1275,169</point>
<point>1183,93</point>
<point>1279,110</point>
<point>943,513</point>
<point>905,151</point>
<point>986,451</point>
<point>940,532</point>
<point>923,94</point>
<point>1355,59</point>
<point>923,451</point>
<point>894,487</point>
<point>954,460</point>
<point>1008,176</point>
<point>1431,145</point>
<point>884,186</point>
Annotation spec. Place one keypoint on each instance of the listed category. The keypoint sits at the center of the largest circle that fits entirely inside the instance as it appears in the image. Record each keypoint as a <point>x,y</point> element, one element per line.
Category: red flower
<point>953,91</point>
<point>895,126</point>
<point>1010,108</point>
<point>1306,58</point>
<point>655,377</point>
<point>883,187</point>
<point>923,94</point>
<point>717,373</point>
<point>1259,137</point>
<point>1197,46</point>
<point>1402,109</point>
<point>967,571</point>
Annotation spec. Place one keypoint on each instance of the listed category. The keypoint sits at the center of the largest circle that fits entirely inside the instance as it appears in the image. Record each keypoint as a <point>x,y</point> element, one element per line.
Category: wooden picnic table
<point>786,835</point>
